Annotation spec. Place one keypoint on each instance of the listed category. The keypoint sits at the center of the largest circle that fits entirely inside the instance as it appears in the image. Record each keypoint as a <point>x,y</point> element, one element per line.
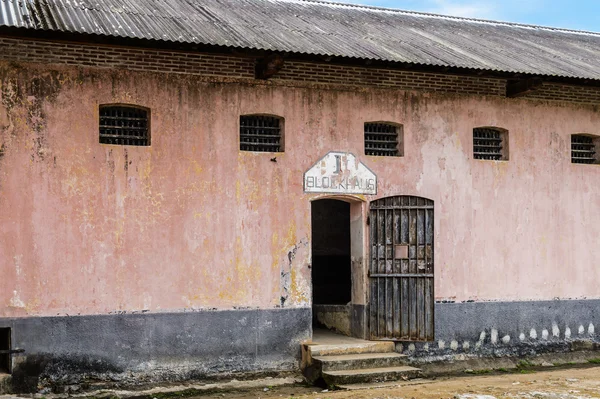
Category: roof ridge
<point>430,14</point>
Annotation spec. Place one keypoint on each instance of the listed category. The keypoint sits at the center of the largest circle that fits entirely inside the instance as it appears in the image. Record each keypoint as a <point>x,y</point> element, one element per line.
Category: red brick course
<point>293,72</point>
<point>125,58</point>
<point>389,78</point>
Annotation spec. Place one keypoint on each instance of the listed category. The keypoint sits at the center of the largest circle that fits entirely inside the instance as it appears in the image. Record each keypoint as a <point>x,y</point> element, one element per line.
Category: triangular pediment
<point>340,173</point>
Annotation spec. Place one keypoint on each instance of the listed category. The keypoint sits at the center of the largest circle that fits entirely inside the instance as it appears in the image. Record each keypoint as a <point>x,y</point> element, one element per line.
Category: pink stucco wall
<point>191,222</point>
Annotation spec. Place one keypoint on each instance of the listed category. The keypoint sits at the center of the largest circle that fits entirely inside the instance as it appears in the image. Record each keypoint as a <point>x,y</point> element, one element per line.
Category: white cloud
<point>462,8</point>
<point>499,10</point>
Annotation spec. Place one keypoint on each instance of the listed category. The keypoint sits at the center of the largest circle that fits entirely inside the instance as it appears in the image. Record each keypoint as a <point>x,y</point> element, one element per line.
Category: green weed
<point>525,371</point>
<point>524,365</point>
<point>564,364</point>
<point>484,371</point>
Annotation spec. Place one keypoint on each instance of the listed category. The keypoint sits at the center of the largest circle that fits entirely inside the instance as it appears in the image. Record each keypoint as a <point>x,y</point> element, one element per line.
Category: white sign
<point>340,173</point>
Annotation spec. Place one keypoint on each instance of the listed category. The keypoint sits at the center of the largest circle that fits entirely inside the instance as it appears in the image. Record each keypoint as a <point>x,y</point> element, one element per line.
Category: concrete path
<point>571,383</point>
<point>555,384</point>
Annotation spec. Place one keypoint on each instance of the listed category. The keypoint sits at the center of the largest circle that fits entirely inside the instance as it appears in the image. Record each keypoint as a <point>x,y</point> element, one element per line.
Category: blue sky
<point>575,14</point>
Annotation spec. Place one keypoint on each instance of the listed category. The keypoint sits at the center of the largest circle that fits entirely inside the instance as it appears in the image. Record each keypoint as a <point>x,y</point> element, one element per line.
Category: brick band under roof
<point>323,28</point>
<point>294,73</point>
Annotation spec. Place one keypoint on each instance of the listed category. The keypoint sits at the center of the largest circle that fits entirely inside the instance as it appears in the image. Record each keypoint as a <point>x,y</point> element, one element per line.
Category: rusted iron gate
<point>401,301</point>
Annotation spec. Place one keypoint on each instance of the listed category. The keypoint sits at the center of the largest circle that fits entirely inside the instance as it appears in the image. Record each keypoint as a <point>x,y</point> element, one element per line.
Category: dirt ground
<point>571,383</point>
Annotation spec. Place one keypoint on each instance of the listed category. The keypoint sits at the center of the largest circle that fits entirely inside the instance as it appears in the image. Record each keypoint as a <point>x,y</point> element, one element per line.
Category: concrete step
<point>360,361</point>
<point>351,348</point>
<point>382,374</point>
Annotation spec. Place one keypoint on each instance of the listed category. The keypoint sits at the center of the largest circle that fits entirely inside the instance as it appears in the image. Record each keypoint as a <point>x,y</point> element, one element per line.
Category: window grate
<point>583,149</point>
<point>122,125</point>
<point>261,133</point>
<point>487,144</point>
<point>381,139</point>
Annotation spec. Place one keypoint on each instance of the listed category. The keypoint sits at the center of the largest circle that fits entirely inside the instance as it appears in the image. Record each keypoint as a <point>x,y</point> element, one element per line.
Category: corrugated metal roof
<point>323,28</point>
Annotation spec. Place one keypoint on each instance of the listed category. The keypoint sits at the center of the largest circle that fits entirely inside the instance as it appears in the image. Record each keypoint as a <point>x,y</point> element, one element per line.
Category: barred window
<point>124,125</point>
<point>384,139</point>
<point>261,133</point>
<point>583,148</point>
<point>490,144</point>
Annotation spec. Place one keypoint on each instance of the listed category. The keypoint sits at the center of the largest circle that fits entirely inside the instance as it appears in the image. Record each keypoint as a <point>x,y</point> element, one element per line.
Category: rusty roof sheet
<point>323,28</point>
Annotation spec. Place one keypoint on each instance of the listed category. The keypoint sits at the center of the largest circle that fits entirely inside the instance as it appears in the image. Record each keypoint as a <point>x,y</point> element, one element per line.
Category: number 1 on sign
<point>338,164</point>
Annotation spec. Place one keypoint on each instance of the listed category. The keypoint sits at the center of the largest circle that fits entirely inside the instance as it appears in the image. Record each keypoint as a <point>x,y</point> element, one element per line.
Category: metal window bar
<point>260,133</point>
<point>487,144</point>
<point>381,139</point>
<point>583,149</point>
<point>121,125</point>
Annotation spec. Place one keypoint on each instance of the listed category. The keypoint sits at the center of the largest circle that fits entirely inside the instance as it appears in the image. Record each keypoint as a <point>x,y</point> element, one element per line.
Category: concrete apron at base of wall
<point>5,380</point>
<point>170,390</point>
<point>464,365</point>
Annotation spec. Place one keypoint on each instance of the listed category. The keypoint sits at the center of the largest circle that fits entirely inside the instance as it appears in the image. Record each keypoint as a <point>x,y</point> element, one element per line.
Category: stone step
<point>360,361</point>
<point>382,374</point>
<point>351,349</point>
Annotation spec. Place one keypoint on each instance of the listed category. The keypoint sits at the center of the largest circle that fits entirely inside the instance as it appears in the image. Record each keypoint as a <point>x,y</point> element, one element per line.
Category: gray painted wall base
<point>128,349</point>
<point>463,320</point>
<point>133,348</point>
<point>509,329</point>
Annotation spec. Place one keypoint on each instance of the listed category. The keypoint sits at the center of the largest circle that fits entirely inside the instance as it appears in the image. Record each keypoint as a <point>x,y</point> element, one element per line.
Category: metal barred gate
<point>401,302</point>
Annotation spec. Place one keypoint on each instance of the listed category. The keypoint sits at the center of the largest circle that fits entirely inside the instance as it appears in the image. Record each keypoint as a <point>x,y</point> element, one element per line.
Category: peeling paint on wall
<point>193,223</point>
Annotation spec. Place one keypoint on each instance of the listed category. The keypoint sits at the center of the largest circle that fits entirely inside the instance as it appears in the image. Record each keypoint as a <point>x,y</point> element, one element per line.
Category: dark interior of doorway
<point>4,346</point>
<point>331,268</point>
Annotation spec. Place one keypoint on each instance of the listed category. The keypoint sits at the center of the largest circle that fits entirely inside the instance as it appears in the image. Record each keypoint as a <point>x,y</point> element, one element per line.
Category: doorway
<point>331,264</point>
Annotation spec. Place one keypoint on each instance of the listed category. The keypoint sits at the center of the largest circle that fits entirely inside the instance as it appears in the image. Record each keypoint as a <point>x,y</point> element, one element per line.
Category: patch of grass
<point>525,371</point>
<point>476,372</point>
<point>503,370</point>
<point>524,365</point>
<point>564,364</point>
<point>594,361</point>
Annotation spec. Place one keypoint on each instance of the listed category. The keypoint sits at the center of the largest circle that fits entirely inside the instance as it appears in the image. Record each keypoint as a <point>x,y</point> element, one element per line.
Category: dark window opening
<point>261,133</point>
<point>331,265</point>
<point>583,148</point>
<point>124,125</point>
<point>490,144</point>
<point>5,345</point>
<point>384,139</point>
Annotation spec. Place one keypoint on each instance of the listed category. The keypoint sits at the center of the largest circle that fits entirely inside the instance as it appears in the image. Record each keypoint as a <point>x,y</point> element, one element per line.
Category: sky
<point>574,14</point>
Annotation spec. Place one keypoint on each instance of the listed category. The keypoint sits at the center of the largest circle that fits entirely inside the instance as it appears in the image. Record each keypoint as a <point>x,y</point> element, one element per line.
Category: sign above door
<point>340,173</point>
